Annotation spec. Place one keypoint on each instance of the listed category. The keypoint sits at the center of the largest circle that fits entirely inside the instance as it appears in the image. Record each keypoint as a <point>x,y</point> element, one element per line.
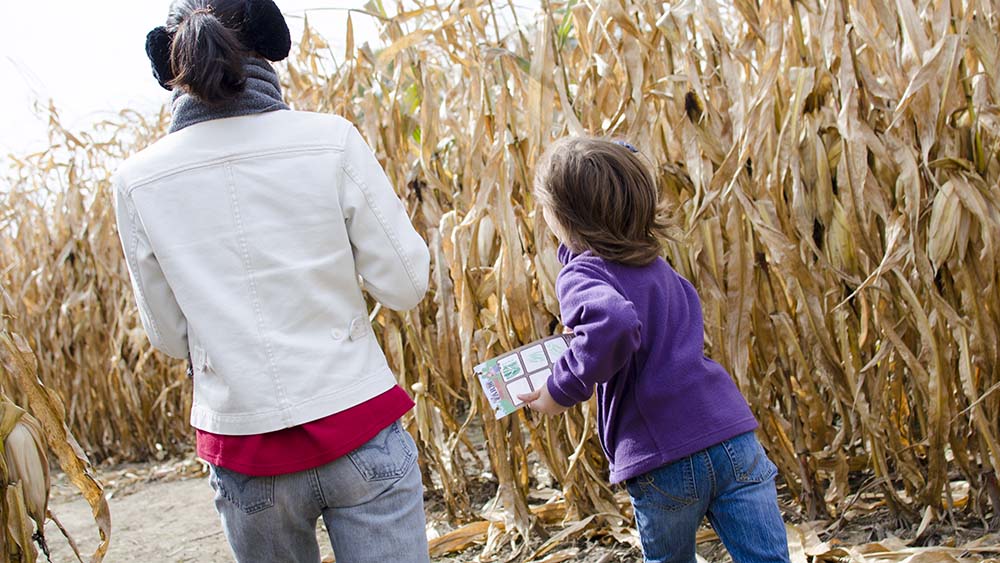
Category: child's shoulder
<point>585,263</point>
<point>587,269</point>
<point>588,261</point>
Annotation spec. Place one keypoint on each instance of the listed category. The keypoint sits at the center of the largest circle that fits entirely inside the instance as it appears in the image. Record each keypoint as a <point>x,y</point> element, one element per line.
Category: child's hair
<point>604,197</point>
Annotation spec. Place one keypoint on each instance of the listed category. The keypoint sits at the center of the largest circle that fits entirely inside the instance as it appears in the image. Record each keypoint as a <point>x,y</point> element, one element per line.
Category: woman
<point>249,232</point>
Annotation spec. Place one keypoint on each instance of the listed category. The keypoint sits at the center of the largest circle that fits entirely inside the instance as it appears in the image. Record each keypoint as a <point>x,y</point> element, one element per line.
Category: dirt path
<point>173,520</point>
<point>167,521</point>
<point>165,513</point>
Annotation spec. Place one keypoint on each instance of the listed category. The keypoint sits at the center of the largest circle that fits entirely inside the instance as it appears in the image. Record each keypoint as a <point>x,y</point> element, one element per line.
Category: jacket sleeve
<point>388,253</point>
<point>161,316</point>
<point>606,332</point>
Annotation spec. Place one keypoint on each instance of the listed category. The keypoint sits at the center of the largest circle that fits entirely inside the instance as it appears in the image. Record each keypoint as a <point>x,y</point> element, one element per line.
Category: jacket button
<point>337,334</point>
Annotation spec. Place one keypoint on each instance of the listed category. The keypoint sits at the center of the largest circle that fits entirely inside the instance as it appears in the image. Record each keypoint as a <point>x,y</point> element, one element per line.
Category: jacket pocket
<point>388,455</point>
<point>200,363</point>
<point>249,494</point>
<point>360,327</point>
<point>749,460</point>
<point>199,360</point>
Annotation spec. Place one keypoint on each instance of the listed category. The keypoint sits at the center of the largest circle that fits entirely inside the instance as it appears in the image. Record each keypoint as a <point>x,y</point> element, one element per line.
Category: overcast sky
<point>89,58</point>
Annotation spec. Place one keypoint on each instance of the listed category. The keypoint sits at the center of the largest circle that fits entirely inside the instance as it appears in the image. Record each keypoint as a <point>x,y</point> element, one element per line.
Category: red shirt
<point>308,445</point>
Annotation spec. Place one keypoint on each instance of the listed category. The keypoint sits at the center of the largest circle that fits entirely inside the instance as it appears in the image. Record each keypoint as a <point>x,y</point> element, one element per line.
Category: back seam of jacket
<point>229,159</point>
<point>254,296</point>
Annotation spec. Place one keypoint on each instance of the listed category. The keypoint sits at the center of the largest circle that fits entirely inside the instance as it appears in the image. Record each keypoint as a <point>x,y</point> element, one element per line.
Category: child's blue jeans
<point>733,484</point>
<point>372,501</point>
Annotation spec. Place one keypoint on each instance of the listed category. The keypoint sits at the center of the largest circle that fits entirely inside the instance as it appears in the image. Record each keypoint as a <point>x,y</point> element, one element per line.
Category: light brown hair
<point>603,197</point>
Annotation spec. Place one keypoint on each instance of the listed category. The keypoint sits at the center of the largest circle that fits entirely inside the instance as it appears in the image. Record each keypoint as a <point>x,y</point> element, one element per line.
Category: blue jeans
<point>371,501</point>
<point>733,484</point>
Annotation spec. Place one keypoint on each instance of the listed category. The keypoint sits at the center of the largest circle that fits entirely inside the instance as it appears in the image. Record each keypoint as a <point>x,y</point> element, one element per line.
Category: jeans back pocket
<point>671,487</point>
<point>386,456</point>
<point>247,493</point>
<point>749,460</point>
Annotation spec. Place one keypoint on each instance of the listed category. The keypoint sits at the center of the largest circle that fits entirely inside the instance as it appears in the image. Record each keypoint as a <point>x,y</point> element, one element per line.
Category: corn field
<point>832,169</point>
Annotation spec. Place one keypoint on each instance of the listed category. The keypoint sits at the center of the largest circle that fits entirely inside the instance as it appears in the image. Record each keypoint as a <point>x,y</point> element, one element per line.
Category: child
<point>673,425</point>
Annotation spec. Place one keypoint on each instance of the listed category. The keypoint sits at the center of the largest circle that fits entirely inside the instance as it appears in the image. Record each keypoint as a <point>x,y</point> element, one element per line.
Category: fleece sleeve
<point>606,333</point>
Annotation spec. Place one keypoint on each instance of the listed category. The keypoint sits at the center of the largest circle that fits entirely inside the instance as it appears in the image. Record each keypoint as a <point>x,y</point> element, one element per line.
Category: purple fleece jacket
<point>639,338</point>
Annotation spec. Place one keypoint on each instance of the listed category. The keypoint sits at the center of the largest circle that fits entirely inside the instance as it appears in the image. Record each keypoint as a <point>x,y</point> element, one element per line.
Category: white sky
<point>89,58</point>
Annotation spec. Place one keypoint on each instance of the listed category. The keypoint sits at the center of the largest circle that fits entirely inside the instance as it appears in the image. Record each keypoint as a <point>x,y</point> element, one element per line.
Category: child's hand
<point>542,401</point>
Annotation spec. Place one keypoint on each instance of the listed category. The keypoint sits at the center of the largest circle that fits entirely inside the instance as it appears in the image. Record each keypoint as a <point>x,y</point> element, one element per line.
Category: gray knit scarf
<point>262,94</point>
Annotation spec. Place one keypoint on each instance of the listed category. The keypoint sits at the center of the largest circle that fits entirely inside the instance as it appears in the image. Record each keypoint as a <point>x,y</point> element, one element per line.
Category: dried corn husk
<point>24,484</point>
<point>27,463</point>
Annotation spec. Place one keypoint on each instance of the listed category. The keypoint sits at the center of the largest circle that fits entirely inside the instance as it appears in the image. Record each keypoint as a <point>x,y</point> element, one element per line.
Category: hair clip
<point>628,146</point>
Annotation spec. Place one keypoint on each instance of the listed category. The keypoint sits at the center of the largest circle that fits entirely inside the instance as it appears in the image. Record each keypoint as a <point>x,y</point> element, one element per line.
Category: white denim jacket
<point>245,239</point>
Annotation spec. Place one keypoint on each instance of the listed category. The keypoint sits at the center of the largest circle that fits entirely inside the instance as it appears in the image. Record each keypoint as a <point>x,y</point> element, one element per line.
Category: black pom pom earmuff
<point>158,50</point>
<point>264,30</point>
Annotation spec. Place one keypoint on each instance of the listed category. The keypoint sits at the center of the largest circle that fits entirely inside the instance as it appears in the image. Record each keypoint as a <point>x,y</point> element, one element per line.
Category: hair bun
<point>207,57</point>
<point>266,30</point>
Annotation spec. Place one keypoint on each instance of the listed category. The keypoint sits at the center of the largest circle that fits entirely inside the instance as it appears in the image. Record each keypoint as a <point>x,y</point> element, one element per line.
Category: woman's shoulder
<point>232,137</point>
<point>328,127</point>
<point>317,119</point>
<point>140,164</point>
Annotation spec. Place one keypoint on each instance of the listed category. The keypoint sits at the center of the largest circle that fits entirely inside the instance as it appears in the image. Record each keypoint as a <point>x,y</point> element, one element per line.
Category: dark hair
<point>207,53</point>
<point>604,197</point>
